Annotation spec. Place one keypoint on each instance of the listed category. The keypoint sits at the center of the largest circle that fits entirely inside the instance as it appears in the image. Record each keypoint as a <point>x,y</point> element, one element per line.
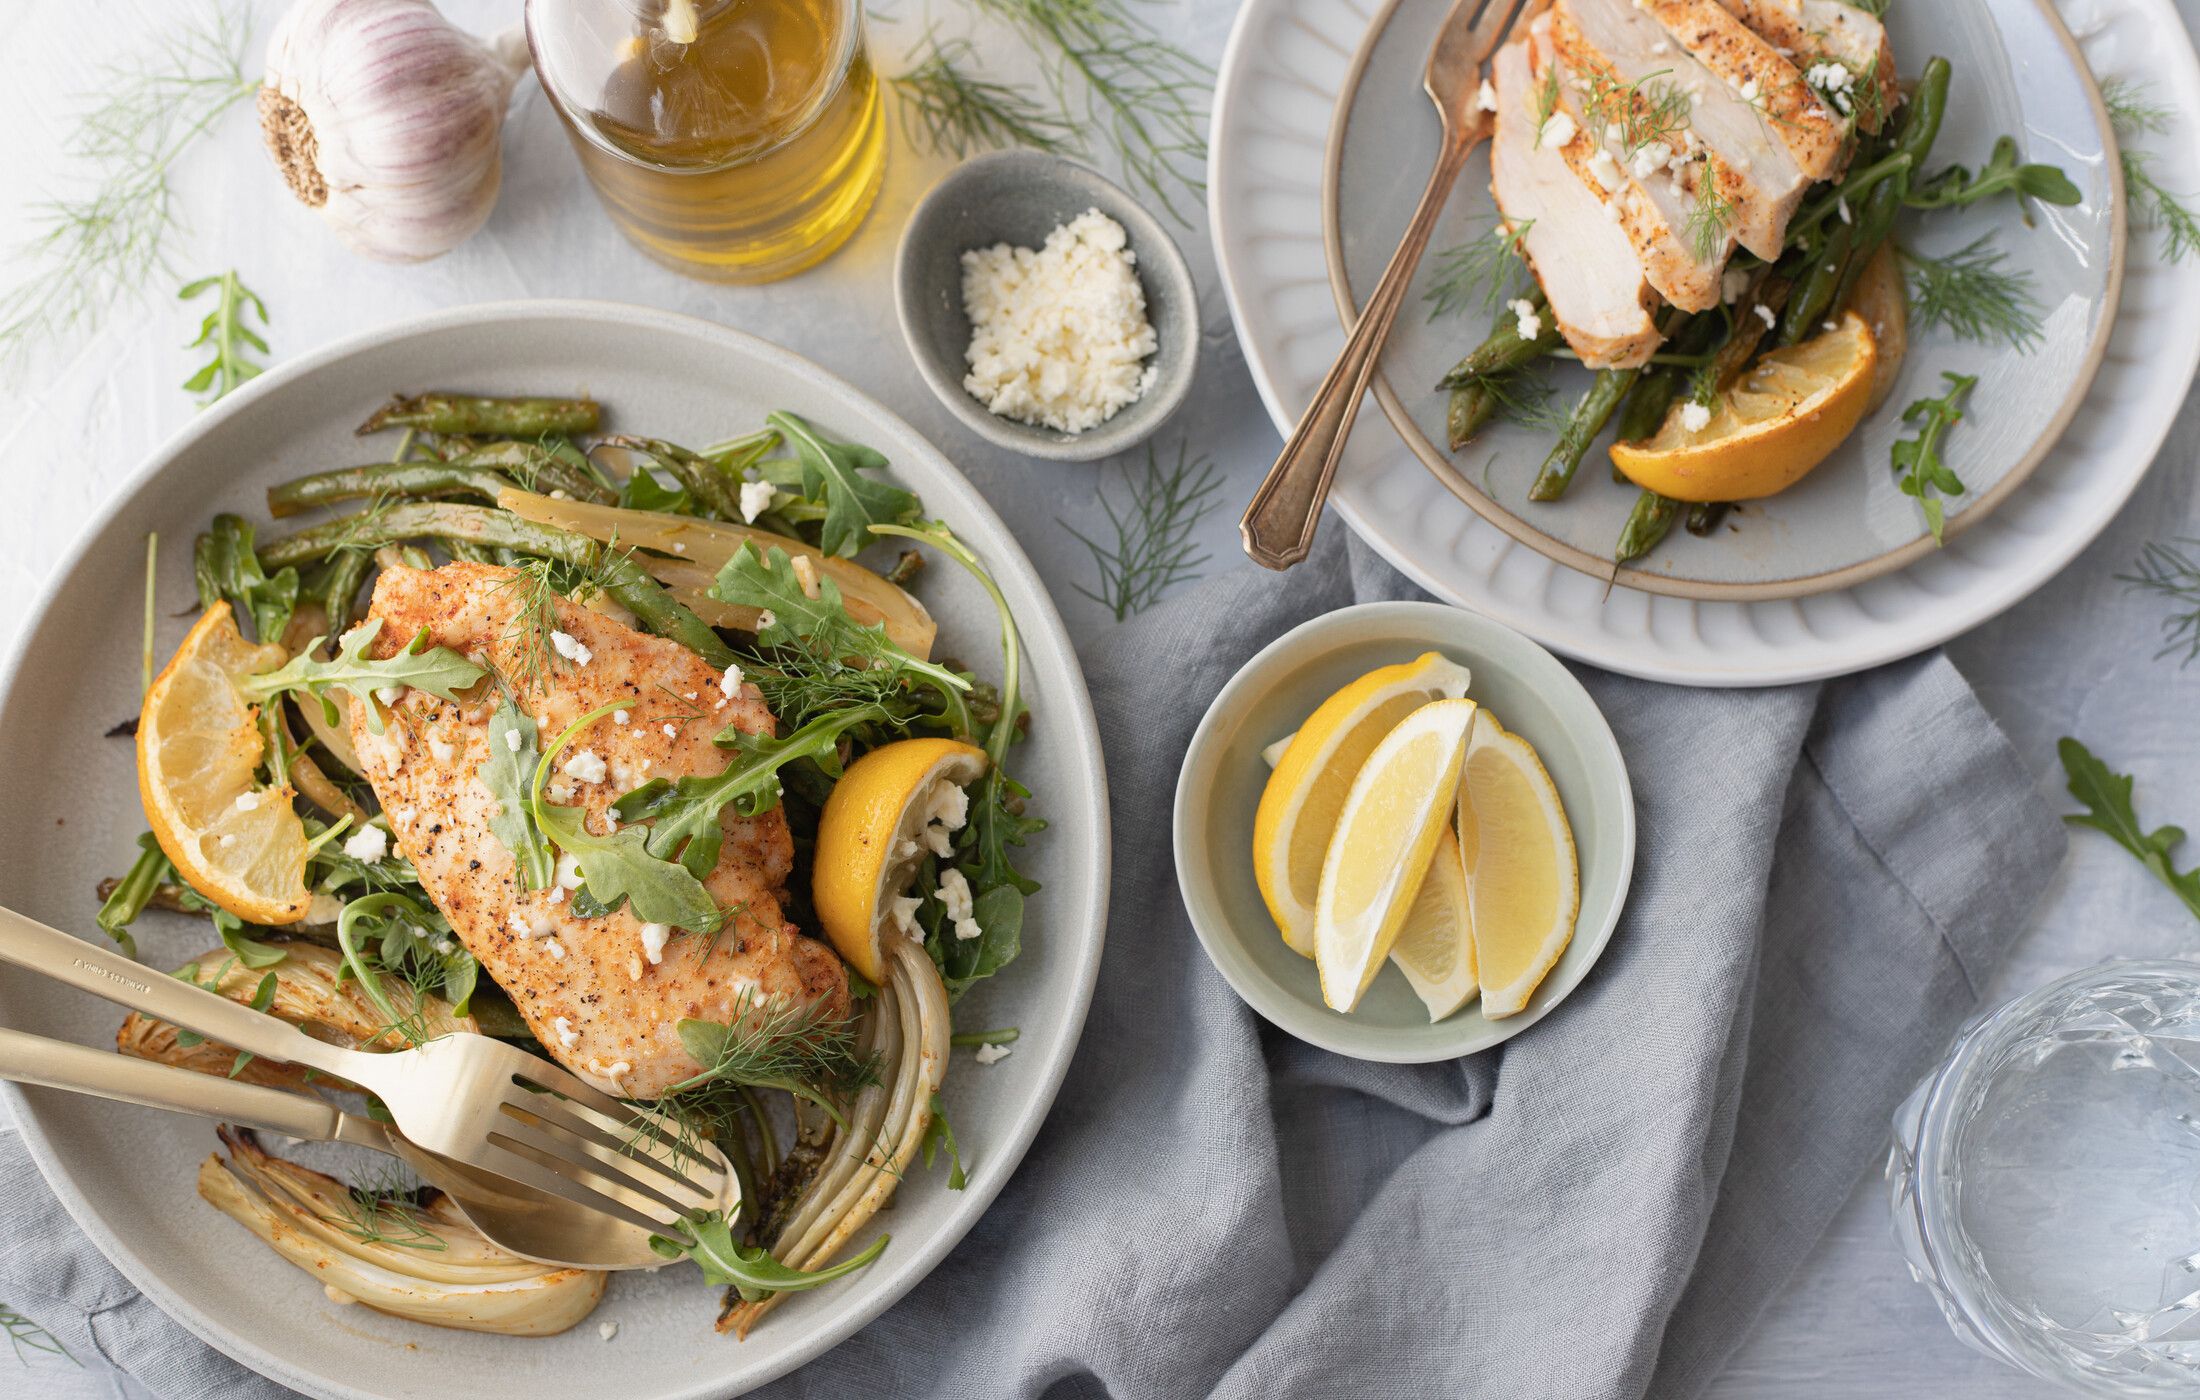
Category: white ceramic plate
<point>1286,65</point>
<point>72,814</point>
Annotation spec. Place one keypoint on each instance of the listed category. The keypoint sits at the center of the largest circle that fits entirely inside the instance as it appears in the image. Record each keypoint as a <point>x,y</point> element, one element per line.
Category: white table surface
<point>2077,658</point>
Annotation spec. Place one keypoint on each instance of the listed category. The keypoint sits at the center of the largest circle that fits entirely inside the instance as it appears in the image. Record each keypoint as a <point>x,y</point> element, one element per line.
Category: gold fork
<point>1278,527</point>
<point>480,1101</point>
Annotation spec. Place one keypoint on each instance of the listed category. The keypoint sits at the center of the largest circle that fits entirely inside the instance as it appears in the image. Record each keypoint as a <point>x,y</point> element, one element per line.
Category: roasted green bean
<point>466,415</point>
<point>1649,522</point>
<point>1582,426</point>
<point>396,480</point>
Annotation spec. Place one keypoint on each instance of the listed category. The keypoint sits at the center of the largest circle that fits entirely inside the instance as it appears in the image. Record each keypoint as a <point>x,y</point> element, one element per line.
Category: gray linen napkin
<point>1599,1208</point>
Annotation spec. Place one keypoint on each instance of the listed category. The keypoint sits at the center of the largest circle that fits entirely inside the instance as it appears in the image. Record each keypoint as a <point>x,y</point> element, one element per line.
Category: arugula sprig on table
<point>2109,809</point>
<point>1925,474</point>
<point>226,331</point>
<point>2168,572</point>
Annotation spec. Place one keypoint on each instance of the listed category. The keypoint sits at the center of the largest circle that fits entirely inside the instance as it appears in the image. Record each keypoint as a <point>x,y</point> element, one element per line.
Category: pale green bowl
<point>1523,685</point>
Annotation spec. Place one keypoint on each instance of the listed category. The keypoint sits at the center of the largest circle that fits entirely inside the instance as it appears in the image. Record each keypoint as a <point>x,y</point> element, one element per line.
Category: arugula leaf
<point>227,334</point>
<point>750,1270</point>
<point>225,565</point>
<point>620,868</point>
<point>263,997</point>
<point>643,491</point>
<point>513,751</point>
<point>940,1133</point>
<point>2003,173</point>
<point>832,474</point>
<point>249,951</point>
<point>683,816</point>
<point>1919,457</point>
<point>134,891</point>
<point>394,935</point>
<point>441,672</point>
<point>2107,798</point>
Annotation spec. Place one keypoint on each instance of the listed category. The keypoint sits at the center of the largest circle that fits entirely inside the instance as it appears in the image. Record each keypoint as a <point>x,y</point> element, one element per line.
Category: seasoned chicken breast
<point>1816,137</point>
<point>604,995</point>
<point>1587,266</point>
<point>1809,32</point>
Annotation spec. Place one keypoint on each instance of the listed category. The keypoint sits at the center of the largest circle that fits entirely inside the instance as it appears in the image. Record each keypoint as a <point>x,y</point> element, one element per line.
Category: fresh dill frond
<point>2133,111</point>
<point>1546,99</point>
<point>1971,293</point>
<point>1111,74</point>
<point>227,334</point>
<point>1650,109</point>
<point>27,1336</point>
<point>95,248</point>
<point>1478,272</point>
<point>2132,108</point>
<point>2170,573</point>
<point>769,1043</point>
<point>1152,550</point>
<point>948,109</point>
<point>1711,215</point>
<point>385,1209</point>
<point>1527,397</point>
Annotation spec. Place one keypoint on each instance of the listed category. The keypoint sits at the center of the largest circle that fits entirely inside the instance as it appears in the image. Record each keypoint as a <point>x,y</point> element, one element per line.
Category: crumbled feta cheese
<point>1732,283</point>
<point>687,695</point>
<point>439,749</point>
<point>1486,98</point>
<point>938,840</point>
<point>729,684</point>
<point>402,816</point>
<point>512,740</point>
<point>248,801</point>
<point>1059,335</point>
<point>1764,314</point>
<point>610,822</point>
<point>992,1054</point>
<point>805,573</point>
<point>324,909</point>
<point>1661,48</point>
<point>653,942</point>
<point>1615,133</point>
<point>619,716</point>
<point>1607,171</point>
<point>1650,159</point>
<point>1558,132</point>
<point>1529,323</point>
<point>1695,417</point>
<point>390,694</point>
<point>607,1330</point>
<point>948,805</point>
<point>556,949</point>
<point>521,924</point>
<point>571,648</point>
<point>766,619</point>
<point>560,793</point>
<point>566,1034</point>
<point>1749,90</point>
<point>756,498</point>
<point>901,913</point>
<point>587,766</point>
<point>569,872</point>
<point>672,731</point>
<point>557,894</point>
<point>444,947</point>
<point>558,494</point>
<point>955,898</point>
<point>368,843</point>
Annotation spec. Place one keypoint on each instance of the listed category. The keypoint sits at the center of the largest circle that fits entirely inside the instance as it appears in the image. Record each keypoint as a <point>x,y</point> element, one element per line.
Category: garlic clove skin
<point>389,121</point>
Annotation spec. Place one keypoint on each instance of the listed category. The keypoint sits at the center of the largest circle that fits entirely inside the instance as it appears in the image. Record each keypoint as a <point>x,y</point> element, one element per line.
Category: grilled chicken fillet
<point>604,1002</point>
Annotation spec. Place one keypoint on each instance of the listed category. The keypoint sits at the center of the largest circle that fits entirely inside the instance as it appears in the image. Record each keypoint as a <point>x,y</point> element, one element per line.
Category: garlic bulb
<point>389,120</point>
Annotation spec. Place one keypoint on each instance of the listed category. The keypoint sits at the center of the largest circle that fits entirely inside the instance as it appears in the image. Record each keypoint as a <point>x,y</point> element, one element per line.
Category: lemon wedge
<point>1386,837</point>
<point>1523,879</point>
<point>1435,948</point>
<point>1306,793</point>
<point>873,834</point>
<point>1785,415</point>
<point>198,742</point>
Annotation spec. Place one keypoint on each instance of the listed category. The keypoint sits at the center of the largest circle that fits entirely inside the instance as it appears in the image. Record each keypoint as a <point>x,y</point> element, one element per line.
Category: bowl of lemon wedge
<point>1404,832</point>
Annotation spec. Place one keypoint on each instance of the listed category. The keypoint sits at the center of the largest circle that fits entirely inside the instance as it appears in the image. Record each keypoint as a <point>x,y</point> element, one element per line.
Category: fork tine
<point>519,1162</point>
<point>1495,24</point>
<point>635,1144</point>
<point>522,1124</point>
<point>610,1115</point>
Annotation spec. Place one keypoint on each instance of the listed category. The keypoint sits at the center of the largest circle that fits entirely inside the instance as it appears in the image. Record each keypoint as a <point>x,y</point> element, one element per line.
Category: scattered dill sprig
<point>27,1336</point>
<point>768,1043</point>
<point>947,108</point>
<point>1546,99</point>
<point>2133,112</point>
<point>99,246</point>
<point>2173,575</point>
<point>1153,549</point>
<point>1527,397</point>
<point>1973,295</point>
<point>1711,214</point>
<point>1650,109</point>
<point>384,1209</point>
<point>1478,272</point>
<point>1111,74</point>
<point>224,331</point>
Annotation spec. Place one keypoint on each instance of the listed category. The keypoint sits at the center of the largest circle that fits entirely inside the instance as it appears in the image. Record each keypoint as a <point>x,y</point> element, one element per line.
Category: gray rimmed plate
<point>1523,685</point>
<point>2016,71</point>
<point>126,1173</point>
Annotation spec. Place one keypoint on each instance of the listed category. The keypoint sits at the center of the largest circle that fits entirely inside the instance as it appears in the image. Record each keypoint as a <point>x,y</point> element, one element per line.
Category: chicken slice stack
<point>1639,143</point>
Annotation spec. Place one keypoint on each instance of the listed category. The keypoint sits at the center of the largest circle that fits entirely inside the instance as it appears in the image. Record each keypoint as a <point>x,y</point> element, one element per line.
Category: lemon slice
<point>1385,840</point>
<point>1435,948</point>
<point>198,742</point>
<point>1785,415</point>
<point>1306,792</point>
<point>873,834</point>
<point>1523,882</point>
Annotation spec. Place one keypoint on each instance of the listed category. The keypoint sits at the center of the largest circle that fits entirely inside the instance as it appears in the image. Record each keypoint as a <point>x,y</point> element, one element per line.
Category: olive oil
<point>735,140</point>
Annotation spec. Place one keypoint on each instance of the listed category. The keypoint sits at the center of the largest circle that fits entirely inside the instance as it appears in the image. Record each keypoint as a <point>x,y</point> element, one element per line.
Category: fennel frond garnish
<point>383,1209</point>
<point>1971,293</point>
<point>1153,548</point>
<point>27,1336</point>
<point>2169,573</point>
<point>103,244</point>
<point>2133,112</point>
<point>1478,272</point>
<point>947,109</point>
<point>226,333</point>
<point>772,1043</point>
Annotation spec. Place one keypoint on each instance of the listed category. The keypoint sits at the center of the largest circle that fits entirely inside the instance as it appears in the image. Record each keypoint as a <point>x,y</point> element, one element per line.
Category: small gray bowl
<point>1527,690</point>
<point>1018,198</point>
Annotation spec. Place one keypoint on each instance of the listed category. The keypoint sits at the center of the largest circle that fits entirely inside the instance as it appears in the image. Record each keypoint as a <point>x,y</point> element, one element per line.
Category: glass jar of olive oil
<point>733,140</point>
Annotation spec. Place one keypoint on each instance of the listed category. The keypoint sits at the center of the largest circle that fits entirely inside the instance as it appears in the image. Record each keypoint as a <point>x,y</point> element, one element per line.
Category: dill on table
<point>1971,293</point>
<point>2168,572</point>
<point>2133,112</point>
<point>1111,74</point>
<point>225,333</point>
<point>1152,550</point>
<point>106,242</point>
<point>947,108</point>
<point>27,1336</point>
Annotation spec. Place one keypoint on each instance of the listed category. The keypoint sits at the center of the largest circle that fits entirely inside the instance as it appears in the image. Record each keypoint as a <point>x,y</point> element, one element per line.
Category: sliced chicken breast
<point>1588,268</point>
<point>1624,59</point>
<point>604,995</point>
<point>1657,214</point>
<point>1815,135</point>
<point>1809,32</point>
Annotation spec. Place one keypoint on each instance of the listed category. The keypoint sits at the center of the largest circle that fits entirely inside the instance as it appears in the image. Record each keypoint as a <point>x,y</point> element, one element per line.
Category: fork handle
<point>106,973</point>
<point>58,1064</point>
<point>1278,527</point>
